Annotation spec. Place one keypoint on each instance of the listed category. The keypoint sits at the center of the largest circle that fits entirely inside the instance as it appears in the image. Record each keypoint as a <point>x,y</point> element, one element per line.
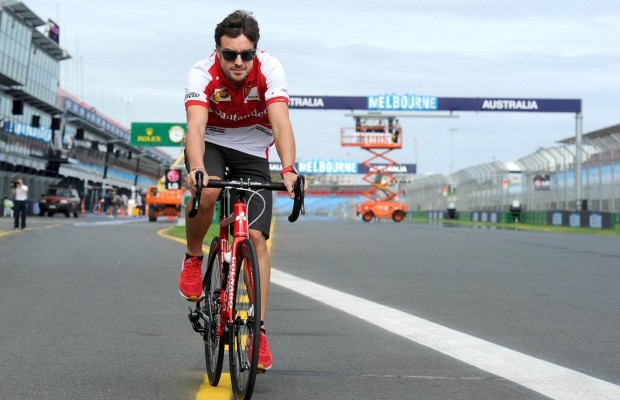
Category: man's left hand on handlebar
<point>289,180</point>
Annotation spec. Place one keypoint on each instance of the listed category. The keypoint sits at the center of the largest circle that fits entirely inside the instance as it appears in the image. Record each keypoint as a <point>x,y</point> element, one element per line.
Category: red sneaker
<point>264,354</point>
<point>190,281</point>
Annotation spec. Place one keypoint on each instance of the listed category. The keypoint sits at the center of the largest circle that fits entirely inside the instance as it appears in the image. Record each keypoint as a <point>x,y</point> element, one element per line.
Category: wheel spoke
<point>214,345</point>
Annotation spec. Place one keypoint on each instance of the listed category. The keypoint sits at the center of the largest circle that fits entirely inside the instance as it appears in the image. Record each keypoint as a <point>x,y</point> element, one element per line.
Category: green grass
<point>526,227</point>
<point>179,231</point>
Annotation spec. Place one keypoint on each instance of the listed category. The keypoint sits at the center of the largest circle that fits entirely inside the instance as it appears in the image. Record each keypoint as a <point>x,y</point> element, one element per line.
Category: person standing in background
<point>20,205</point>
<point>139,203</point>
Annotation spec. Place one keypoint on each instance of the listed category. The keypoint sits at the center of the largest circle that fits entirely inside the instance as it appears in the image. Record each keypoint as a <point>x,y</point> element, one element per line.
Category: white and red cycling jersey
<point>238,116</point>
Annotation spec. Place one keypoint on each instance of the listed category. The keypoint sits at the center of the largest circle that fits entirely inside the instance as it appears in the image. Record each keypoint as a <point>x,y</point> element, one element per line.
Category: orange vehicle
<point>161,202</point>
<point>379,135</point>
<point>381,209</point>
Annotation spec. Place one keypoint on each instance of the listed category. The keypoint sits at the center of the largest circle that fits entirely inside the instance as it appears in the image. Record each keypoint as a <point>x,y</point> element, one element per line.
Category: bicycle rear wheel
<point>214,344</point>
<point>243,343</point>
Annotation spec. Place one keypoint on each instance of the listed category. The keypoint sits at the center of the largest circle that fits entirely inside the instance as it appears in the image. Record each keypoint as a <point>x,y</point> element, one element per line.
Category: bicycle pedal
<point>194,319</point>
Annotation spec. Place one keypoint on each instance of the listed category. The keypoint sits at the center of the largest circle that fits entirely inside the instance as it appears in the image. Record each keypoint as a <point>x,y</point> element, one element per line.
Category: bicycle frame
<point>238,217</point>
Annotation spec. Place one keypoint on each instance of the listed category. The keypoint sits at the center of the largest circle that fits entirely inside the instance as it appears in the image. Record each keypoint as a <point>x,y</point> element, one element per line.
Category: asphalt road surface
<point>89,309</point>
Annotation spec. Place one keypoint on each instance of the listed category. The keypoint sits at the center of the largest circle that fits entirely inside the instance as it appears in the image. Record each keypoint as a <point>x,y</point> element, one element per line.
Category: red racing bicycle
<point>230,311</point>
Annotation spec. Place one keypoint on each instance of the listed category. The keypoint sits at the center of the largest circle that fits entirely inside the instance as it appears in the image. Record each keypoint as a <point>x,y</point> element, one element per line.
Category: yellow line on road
<point>38,228</point>
<point>222,391</point>
<point>164,233</point>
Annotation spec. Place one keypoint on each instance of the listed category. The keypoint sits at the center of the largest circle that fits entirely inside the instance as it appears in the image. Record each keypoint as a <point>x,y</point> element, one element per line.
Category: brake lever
<point>298,202</point>
<point>196,202</point>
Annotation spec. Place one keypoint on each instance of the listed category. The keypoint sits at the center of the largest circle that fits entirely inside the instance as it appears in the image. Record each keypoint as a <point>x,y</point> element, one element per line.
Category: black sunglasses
<point>231,55</point>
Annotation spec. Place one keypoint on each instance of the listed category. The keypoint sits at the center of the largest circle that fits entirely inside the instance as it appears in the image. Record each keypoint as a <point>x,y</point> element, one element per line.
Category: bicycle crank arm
<point>202,316</point>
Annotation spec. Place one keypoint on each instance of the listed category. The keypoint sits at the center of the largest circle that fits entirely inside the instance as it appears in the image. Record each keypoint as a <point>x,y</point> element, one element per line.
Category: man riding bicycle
<point>236,102</point>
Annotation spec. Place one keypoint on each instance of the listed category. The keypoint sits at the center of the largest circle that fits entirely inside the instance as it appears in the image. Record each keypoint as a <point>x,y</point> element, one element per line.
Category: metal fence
<point>543,180</point>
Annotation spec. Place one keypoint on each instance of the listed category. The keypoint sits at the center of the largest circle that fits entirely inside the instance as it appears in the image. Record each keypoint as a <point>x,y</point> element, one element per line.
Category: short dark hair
<point>236,24</point>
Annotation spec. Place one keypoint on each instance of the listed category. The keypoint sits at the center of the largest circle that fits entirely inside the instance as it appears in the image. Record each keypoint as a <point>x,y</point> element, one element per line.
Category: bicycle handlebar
<point>298,189</point>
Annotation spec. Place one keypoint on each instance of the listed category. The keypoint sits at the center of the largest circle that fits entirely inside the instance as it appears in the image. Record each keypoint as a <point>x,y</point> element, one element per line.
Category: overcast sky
<point>141,50</point>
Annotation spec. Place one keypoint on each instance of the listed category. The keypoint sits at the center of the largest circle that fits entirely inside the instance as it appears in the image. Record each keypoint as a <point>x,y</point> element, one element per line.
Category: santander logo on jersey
<point>234,117</point>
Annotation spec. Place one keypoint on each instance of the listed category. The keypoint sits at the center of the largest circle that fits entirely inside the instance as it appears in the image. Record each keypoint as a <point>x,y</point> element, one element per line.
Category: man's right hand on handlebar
<point>190,179</point>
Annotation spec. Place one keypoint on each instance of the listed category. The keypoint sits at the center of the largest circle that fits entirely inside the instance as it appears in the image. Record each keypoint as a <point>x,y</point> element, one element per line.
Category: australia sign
<point>417,102</point>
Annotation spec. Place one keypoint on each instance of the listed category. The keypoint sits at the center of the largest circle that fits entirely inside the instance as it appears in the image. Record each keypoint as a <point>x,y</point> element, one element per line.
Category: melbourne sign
<point>342,167</point>
<point>310,167</point>
<point>402,102</point>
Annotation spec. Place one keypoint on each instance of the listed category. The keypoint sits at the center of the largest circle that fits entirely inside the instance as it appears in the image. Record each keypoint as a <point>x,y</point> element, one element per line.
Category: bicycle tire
<point>214,344</point>
<point>243,346</point>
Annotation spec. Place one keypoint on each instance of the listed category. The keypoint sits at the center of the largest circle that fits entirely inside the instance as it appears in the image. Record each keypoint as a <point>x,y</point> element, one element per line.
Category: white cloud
<point>446,48</point>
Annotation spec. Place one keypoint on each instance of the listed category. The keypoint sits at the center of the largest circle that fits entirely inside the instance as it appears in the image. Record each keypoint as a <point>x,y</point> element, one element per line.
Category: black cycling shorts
<point>243,165</point>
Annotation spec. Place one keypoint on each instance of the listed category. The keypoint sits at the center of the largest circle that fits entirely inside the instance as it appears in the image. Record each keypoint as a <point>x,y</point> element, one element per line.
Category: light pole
<point>135,181</point>
<point>106,160</point>
<point>109,148</point>
<point>452,130</point>
<point>415,153</point>
<point>137,175</point>
<point>578,162</point>
<point>138,157</point>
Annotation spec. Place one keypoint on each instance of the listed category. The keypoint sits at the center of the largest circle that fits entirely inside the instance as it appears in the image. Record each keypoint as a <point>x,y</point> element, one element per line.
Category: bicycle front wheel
<point>213,287</point>
<point>243,334</point>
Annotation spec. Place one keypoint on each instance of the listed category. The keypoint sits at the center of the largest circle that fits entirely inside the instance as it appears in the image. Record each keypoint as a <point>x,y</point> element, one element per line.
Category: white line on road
<point>538,375</point>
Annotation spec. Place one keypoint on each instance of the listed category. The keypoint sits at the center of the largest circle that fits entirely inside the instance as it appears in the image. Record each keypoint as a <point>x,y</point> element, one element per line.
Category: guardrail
<point>574,219</point>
